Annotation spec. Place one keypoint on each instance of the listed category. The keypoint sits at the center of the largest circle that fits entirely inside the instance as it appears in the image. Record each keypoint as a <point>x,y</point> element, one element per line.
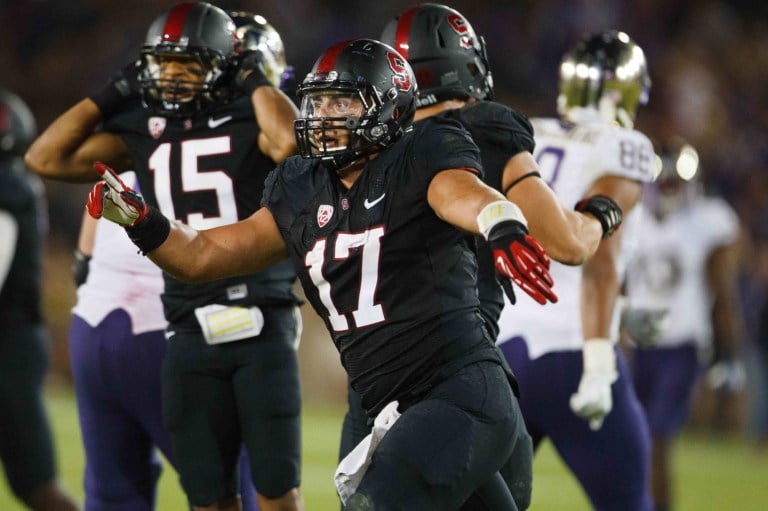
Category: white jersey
<point>121,278</point>
<point>571,158</point>
<point>672,272</point>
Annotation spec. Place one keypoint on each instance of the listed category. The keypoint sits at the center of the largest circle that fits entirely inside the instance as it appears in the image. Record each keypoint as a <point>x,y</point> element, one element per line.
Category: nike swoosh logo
<point>369,204</point>
<point>215,123</point>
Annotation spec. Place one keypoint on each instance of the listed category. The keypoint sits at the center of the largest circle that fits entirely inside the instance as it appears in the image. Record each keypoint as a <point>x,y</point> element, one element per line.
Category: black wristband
<point>253,81</point>
<point>151,232</point>
<point>108,99</point>
<point>80,267</point>
<point>605,209</point>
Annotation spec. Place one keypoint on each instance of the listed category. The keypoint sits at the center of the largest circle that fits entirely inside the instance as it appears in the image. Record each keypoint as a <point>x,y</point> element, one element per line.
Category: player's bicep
<point>248,246</point>
<point>258,241</point>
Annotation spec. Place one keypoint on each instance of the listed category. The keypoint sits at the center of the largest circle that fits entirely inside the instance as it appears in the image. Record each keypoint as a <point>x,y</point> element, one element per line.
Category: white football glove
<point>592,401</point>
<point>727,375</point>
<point>645,325</point>
<point>114,200</point>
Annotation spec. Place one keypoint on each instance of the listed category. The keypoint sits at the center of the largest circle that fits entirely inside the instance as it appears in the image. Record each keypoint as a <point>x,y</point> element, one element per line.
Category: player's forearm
<point>722,270</point>
<point>68,148</point>
<point>568,237</point>
<point>189,255</point>
<point>87,234</point>
<point>55,153</point>
<point>275,114</point>
<point>599,291</point>
<point>235,249</point>
<point>458,196</point>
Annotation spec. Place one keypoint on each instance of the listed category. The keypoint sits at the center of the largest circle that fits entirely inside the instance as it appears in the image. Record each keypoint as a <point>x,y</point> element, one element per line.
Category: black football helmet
<point>604,76</point>
<point>193,30</point>
<point>258,35</point>
<point>448,58</point>
<point>17,125</point>
<point>365,70</point>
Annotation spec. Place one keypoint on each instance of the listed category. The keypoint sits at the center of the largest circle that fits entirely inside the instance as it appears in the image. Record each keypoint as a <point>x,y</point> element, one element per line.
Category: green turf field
<point>712,474</point>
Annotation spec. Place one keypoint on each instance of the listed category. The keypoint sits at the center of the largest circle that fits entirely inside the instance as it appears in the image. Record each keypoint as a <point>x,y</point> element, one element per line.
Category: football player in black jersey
<point>26,445</point>
<point>375,219</point>
<point>455,82</point>
<point>201,124</point>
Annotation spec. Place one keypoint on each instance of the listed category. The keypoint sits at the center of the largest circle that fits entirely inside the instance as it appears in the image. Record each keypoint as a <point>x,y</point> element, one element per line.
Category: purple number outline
<point>559,153</point>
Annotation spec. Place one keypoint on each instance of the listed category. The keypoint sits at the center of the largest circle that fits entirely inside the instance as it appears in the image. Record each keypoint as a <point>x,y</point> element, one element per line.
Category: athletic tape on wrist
<point>599,355</point>
<point>496,212</point>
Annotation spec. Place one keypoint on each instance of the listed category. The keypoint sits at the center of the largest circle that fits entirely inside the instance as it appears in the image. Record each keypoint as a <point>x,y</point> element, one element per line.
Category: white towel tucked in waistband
<point>352,468</point>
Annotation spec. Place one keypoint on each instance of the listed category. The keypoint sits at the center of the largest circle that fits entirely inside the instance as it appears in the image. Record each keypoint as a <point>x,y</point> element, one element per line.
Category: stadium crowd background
<point>708,61</point>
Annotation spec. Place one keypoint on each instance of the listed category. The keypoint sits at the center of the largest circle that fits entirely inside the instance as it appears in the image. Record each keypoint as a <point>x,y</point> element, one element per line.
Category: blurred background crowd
<point>708,61</point>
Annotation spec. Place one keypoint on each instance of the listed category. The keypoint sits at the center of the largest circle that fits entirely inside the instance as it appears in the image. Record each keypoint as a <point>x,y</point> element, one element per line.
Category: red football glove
<point>115,201</point>
<point>520,258</point>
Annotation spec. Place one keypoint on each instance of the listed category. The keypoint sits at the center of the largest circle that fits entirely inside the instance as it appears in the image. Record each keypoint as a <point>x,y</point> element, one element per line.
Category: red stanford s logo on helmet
<point>446,54</point>
<point>463,28</point>
<point>401,79</point>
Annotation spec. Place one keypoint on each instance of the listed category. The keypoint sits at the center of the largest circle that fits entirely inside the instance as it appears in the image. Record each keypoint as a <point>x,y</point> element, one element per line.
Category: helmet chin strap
<point>612,112</point>
<point>624,118</point>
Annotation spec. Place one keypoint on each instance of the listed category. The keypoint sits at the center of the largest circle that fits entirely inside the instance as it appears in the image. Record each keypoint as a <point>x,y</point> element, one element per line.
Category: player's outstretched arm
<point>67,149</point>
<point>190,255</point>
<point>568,236</point>
<point>275,112</point>
<point>462,199</point>
<point>248,246</point>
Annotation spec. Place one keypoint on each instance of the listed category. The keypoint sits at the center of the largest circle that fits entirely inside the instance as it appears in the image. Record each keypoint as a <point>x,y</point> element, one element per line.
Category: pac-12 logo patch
<point>324,214</point>
<point>156,126</point>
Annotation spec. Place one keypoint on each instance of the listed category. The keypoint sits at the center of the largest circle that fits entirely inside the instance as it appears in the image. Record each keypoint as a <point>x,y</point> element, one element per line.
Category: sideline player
<point>691,272</point>
<point>26,445</point>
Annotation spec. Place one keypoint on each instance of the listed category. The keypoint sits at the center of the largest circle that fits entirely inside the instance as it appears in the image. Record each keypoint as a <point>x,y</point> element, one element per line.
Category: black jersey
<point>206,171</point>
<point>500,132</point>
<point>395,285</point>
<point>21,196</point>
